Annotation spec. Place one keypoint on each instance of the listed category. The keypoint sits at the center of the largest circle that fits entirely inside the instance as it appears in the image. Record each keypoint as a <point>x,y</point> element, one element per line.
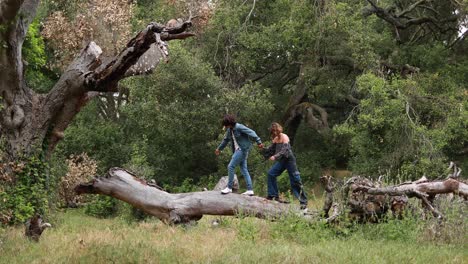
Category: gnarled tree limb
<point>29,120</point>
<point>314,116</point>
<point>299,108</point>
<point>422,189</point>
<point>404,17</point>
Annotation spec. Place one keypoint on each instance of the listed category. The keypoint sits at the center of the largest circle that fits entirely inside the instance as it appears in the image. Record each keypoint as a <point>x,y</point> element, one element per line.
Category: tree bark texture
<point>32,122</point>
<point>180,207</point>
<point>368,200</point>
<point>365,198</point>
<point>299,108</point>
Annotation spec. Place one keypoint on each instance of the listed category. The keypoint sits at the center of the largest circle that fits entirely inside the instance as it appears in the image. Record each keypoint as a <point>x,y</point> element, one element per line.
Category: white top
<point>236,146</point>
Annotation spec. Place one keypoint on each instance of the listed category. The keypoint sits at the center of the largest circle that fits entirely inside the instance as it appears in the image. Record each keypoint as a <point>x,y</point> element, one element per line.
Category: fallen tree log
<point>422,187</point>
<point>180,207</point>
<point>363,198</point>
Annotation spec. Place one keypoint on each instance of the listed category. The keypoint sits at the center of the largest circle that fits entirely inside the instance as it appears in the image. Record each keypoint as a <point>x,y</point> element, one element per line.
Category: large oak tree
<point>33,123</point>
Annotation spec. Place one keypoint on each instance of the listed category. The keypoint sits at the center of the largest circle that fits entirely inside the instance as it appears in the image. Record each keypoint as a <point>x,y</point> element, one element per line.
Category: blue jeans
<point>294,178</point>
<point>239,158</point>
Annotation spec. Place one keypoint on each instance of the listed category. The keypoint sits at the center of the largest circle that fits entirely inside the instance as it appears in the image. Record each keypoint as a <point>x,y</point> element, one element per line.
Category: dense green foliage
<point>404,124</point>
<point>29,193</point>
<point>39,78</point>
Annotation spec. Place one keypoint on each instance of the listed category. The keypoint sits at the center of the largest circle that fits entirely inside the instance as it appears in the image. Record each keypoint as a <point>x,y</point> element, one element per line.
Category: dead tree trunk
<point>31,122</point>
<point>181,207</point>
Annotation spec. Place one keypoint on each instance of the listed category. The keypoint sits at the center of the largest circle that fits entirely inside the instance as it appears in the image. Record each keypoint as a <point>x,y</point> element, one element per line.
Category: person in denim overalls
<point>239,136</point>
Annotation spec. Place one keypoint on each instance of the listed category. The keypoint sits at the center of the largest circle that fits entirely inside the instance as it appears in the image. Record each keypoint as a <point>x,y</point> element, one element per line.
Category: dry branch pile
<point>80,168</point>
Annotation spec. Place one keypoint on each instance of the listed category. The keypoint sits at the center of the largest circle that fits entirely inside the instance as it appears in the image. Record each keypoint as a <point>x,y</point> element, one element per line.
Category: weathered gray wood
<point>181,207</point>
<point>423,189</point>
<point>29,121</point>
<point>185,207</point>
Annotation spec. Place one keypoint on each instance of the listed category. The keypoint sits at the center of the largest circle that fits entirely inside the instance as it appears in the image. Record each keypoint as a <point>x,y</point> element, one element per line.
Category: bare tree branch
<point>401,19</point>
<point>410,8</point>
<point>422,189</point>
<point>89,74</point>
<point>250,13</point>
<point>352,99</point>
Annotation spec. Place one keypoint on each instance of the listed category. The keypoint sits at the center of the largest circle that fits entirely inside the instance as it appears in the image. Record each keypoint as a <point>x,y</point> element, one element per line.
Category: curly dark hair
<point>229,120</point>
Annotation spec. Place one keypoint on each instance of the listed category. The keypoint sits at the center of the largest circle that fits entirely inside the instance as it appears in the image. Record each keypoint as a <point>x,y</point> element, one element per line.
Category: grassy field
<point>76,238</point>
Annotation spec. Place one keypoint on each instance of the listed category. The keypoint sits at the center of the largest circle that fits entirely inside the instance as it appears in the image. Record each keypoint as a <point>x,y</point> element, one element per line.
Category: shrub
<point>101,206</point>
<point>131,214</point>
<point>26,193</point>
<point>80,169</point>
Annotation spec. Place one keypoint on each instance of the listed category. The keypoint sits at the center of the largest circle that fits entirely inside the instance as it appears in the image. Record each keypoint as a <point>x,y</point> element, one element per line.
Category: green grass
<point>76,238</point>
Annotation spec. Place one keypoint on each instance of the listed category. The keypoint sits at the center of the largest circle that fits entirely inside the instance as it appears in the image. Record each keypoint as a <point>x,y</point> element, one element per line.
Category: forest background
<point>357,92</point>
<point>354,91</point>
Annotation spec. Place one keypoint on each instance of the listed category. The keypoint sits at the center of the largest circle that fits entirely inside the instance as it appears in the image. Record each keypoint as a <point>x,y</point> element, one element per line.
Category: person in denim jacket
<point>280,152</point>
<point>240,138</point>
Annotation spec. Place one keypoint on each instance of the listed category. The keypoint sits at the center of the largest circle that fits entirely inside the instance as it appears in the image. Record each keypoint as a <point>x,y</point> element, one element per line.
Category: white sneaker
<point>248,192</point>
<point>226,190</point>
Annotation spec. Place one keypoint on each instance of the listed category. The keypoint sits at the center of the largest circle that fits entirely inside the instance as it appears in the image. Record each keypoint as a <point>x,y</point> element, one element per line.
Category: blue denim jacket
<point>243,136</point>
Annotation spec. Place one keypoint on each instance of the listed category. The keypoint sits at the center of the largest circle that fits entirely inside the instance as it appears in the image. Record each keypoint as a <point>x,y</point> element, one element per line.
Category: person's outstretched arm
<point>269,151</point>
<point>226,139</point>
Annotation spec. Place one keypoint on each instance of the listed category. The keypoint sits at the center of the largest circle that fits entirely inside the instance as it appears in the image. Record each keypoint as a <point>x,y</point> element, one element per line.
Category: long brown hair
<point>275,130</point>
